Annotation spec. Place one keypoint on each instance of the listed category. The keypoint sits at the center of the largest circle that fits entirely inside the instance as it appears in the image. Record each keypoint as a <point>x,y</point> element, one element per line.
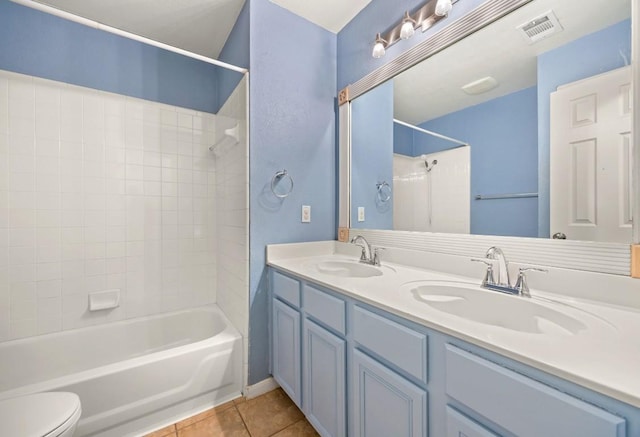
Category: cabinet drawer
<point>325,308</point>
<point>459,425</point>
<point>521,405</point>
<point>286,288</point>
<point>401,346</point>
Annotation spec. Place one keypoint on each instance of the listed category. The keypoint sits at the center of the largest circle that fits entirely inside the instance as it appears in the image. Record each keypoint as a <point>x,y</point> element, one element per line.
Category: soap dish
<point>104,300</point>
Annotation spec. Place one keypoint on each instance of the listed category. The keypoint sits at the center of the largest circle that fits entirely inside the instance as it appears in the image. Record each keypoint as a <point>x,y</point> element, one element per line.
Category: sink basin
<point>471,302</point>
<point>349,269</point>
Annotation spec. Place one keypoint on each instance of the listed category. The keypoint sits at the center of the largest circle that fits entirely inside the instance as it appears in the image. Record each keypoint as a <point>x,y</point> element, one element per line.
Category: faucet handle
<point>376,255</point>
<point>521,284</point>
<point>533,269</point>
<point>487,261</point>
<point>488,277</point>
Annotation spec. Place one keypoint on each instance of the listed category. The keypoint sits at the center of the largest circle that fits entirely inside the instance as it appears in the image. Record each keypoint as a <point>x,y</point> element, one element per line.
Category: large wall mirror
<point>505,134</point>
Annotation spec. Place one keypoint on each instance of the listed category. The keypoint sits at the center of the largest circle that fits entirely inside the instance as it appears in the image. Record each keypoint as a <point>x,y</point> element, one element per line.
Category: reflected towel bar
<point>505,196</point>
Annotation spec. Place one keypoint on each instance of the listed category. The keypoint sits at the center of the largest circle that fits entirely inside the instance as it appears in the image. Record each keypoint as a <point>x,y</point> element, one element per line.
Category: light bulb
<point>407,30</point>
<point>378,50</point>
<point>379,47</point>
<point>443,7</point>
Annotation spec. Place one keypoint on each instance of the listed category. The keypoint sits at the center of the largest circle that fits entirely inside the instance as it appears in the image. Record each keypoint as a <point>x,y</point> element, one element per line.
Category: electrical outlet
<point>361,213</point>
<point>306,214</point>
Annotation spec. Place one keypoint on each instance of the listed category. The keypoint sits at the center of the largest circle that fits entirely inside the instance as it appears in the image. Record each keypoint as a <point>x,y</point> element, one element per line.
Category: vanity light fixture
<point>407,30</point>
<point>429,13</point>
<point>379,47</point>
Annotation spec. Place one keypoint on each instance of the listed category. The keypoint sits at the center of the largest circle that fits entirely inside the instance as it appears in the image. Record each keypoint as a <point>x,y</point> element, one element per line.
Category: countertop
<point>604,357</point>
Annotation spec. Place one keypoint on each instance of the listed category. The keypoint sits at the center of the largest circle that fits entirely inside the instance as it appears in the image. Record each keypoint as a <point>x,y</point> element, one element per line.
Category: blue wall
<point>593,54</point>
<point>403,140</point>
<point>372,156</point>
<point>39,44</point>
<point>236,51</point>
<point>504,148</point>
<point>355,40</point>
<point>292,92</point>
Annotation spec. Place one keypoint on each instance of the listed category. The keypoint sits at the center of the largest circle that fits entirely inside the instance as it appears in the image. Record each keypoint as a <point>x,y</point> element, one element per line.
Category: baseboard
<point>262,387</point>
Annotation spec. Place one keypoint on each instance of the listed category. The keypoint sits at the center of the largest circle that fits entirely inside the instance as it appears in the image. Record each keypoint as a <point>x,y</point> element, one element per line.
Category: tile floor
<point>272,414</point>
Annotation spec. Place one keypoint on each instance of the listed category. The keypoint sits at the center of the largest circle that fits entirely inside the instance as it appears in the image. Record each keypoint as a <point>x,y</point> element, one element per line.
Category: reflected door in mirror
<point>591,158</point>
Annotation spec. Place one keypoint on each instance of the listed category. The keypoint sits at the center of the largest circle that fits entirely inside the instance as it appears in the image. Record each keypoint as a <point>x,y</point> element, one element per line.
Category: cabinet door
<point>324,388</point>
<point>286,349</point>
<point>384,403</point>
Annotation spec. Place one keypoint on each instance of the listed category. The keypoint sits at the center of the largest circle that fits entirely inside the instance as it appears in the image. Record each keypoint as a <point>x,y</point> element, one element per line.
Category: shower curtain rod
<point>96,25</point>
<point>437,135</point>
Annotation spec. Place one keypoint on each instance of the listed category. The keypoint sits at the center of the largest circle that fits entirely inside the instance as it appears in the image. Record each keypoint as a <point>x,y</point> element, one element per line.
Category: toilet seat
<point>39,415</point>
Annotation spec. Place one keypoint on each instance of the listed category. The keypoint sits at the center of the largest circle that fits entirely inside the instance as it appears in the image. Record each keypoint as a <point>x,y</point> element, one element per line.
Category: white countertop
<point>604,357</point>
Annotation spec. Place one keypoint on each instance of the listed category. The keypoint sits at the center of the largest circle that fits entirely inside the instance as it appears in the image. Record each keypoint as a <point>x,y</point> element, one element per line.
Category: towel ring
<point>384,191</point>
<point>276,178</point>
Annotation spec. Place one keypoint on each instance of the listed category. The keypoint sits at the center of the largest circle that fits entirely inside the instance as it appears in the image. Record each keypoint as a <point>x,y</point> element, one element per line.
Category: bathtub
<point>135,375</point>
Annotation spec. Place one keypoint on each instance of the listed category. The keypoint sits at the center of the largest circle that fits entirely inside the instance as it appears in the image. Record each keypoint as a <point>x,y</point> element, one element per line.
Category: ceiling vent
<point>540,27</point>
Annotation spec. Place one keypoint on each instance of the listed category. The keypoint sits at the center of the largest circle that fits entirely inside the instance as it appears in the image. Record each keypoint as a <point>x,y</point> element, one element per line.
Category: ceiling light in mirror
<point>480,86</point>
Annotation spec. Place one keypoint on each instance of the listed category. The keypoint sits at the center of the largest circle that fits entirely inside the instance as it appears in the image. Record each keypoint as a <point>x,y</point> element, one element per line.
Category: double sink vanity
<point>421,344</point>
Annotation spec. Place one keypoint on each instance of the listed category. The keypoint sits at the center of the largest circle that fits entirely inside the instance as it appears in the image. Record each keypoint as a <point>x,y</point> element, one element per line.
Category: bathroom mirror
<point>467,141</point>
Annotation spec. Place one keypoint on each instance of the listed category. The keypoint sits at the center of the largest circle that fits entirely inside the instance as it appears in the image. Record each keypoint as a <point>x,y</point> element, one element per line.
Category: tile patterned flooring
<point>270,415</point>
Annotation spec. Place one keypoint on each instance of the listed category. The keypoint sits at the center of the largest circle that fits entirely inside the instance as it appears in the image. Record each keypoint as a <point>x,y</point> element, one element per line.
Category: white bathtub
<point>132,376</point>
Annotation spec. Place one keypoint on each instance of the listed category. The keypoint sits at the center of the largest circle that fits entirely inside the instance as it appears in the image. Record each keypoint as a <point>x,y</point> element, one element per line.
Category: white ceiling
<point>333,15</point>
<point>432,88</point>
<point>200,26</point>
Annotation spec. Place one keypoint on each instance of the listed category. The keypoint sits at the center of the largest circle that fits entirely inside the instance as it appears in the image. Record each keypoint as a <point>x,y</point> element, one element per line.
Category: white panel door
<point>591,158</point>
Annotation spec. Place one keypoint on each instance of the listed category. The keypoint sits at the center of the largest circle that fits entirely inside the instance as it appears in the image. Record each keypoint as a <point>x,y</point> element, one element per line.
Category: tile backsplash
<point>101,191</point>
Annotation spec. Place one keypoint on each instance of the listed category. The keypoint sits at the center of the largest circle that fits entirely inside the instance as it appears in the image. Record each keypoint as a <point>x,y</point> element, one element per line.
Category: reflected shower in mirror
<point>528,120</point>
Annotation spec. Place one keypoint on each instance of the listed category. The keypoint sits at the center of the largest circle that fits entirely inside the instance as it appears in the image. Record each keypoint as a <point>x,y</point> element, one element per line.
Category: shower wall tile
<point>228,210</point>
<point>101,191</point>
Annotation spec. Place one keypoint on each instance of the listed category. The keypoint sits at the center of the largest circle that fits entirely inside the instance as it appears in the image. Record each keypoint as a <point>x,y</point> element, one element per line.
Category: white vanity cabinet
<point>364,372</point>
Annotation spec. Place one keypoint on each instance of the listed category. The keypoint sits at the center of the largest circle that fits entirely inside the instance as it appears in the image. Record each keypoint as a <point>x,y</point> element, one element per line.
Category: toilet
<point>54,414</point>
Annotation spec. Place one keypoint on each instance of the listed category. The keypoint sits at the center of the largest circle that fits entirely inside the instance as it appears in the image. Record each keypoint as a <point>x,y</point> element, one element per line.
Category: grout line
<point>242,418</point>
<point>304,419</point>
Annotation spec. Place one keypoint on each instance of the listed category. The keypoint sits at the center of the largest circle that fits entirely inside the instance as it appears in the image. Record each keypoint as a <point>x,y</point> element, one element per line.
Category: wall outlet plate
<point>361,213</point>
<point>306,214</point>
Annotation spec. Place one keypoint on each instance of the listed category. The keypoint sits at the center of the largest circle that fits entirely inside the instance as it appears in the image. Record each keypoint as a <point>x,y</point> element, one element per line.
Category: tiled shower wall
<point>232,207</point>
<point>101,191</point>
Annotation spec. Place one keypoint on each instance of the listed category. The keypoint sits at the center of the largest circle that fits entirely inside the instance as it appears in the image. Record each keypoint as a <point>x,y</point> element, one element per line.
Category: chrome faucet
<point>494,257</point>
<point>367,257</point>
<point>497,254</point>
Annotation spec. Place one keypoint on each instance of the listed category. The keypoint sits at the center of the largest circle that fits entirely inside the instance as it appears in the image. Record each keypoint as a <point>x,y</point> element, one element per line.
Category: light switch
<point>306,214</point>
<point>361,213</point>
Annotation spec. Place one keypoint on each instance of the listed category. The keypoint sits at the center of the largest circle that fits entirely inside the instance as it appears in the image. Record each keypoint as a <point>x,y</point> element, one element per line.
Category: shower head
<point>430,167</point>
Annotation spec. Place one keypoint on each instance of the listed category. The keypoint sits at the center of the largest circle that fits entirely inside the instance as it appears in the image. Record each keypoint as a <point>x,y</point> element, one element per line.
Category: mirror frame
<point>613,258</point>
